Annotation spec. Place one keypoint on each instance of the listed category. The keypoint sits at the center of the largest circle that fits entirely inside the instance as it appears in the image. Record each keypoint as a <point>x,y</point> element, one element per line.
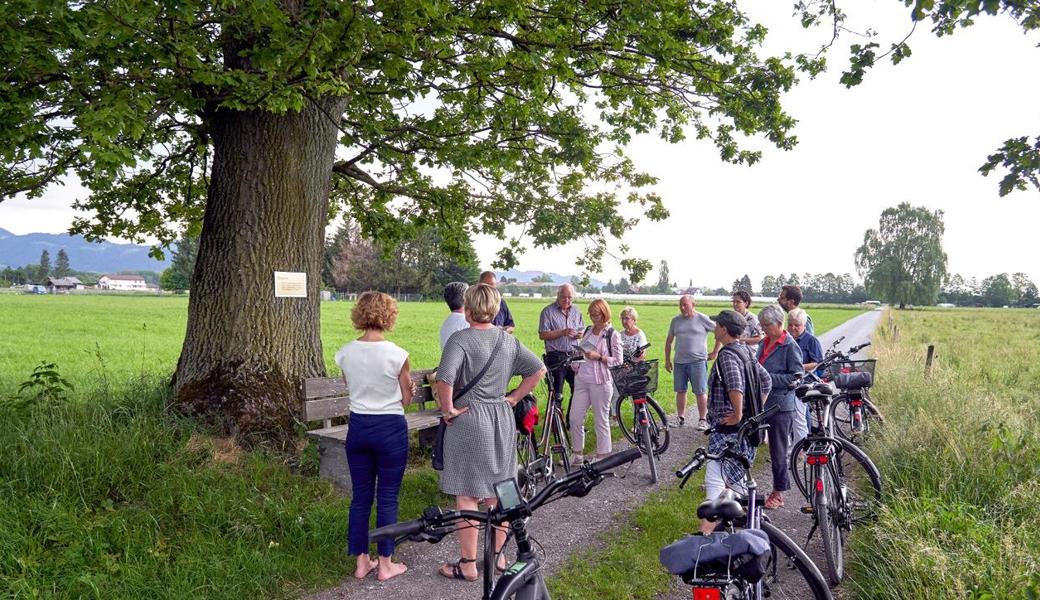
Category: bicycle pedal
<point>806,510</point>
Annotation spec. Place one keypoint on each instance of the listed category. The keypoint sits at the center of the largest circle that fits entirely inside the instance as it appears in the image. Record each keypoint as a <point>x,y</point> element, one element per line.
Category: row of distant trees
<point>419,265</point>
<point>38,273</point>
<point>997,290</point>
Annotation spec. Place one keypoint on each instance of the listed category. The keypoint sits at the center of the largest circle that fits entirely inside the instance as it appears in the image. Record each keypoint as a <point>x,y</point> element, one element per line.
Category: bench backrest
<point>325,398</point>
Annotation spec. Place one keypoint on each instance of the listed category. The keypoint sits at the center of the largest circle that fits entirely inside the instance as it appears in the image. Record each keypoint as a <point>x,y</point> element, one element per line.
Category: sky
<point>916,132</point>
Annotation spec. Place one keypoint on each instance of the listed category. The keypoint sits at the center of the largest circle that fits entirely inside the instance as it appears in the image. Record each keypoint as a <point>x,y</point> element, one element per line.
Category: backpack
<point>753,399</point>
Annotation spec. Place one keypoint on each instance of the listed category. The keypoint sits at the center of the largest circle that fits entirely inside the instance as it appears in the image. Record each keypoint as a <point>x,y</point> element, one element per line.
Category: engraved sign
<point>290,285</point>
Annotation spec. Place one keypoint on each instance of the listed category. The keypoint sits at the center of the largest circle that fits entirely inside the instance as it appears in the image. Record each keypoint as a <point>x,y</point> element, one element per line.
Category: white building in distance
<point>124,283</point>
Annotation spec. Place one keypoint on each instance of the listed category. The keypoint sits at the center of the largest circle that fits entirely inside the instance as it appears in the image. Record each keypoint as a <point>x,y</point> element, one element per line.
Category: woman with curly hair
<point>376,372</point>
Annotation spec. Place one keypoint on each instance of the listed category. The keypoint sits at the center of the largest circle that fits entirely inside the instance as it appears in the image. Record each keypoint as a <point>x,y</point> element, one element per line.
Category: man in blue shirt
<point>504,318</point>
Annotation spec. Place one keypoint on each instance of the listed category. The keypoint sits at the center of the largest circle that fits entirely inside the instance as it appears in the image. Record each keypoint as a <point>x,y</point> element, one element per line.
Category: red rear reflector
<point>638,400</point>
<point>706,594</point>
<point>856,403</point>
<point>810,459</point>
<point>819,486</point>
<point>822,459</point>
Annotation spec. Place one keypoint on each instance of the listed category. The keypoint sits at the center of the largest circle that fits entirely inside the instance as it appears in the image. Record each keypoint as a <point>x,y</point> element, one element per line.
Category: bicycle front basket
<point>852,366</point>
<point>636,378</point>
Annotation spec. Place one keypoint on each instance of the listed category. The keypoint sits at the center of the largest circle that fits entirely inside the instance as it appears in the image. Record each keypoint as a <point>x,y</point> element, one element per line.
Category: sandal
<point>774,501</point>
<point>456,570</point>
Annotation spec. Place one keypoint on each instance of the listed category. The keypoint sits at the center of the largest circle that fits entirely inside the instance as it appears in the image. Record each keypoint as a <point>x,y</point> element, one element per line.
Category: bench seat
<point>325,399</point>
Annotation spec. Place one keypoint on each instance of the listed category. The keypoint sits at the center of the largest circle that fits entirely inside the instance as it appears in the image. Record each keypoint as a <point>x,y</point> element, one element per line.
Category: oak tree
<point>262,120</point>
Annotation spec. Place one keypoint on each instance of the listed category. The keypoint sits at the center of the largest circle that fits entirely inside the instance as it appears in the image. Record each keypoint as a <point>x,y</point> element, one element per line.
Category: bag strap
<point>480,375</point>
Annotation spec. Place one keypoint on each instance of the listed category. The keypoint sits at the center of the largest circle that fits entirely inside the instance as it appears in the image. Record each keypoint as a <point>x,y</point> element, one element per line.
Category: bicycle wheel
<point>648,442</point>
<point>854,423</point>
<point>799,468</point>
<point>827,512</point>
<point>527,475</point>
<point>791,574</point>
<point>627,418</point>
<point>561,442</point>
<point>861,482</point>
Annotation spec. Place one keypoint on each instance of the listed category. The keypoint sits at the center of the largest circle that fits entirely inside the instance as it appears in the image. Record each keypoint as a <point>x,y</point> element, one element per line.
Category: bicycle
<point>833,475</point>
<point>779,569</point>
<point>535,457</point>
<point>647,430</point>
<point>524,579</point>
<point>853,412</point>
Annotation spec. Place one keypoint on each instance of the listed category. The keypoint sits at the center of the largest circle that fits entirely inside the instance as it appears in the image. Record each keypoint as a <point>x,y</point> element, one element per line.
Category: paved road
<point>856,330</point>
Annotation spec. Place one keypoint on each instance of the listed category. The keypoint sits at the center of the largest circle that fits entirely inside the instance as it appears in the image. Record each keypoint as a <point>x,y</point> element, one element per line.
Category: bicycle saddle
<point>853,381</point>
<point>814,391</point>
<point>724,508</point>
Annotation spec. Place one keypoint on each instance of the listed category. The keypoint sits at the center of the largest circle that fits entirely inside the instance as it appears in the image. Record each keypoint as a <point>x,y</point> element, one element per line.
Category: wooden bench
<point>325,399</point>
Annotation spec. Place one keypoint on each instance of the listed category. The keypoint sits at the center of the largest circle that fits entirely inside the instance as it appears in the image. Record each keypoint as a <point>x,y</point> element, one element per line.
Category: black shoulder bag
<point>438,440</point>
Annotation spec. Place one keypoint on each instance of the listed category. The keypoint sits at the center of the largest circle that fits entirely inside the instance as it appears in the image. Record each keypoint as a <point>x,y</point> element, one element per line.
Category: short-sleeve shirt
<point>454,322</point>
<point>504,318</point>
<point>468,350</point>
<point>691,337</point>
<point>552,318</point>
<point>630,343</point>
<point>372,371</point>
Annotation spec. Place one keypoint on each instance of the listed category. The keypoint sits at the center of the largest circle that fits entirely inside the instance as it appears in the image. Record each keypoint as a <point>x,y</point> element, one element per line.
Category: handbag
<point>525,413</point>
<point>437,455</point>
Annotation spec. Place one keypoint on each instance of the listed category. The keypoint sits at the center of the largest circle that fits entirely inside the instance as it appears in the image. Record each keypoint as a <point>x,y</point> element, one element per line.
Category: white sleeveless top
<point>371,370</point>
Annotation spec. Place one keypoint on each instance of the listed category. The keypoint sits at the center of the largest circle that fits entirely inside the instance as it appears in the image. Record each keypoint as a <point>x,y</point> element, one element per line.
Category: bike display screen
<point>508,494</point>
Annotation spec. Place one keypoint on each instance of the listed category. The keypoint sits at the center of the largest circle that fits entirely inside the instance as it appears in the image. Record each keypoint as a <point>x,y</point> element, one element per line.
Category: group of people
<point>479,357</point>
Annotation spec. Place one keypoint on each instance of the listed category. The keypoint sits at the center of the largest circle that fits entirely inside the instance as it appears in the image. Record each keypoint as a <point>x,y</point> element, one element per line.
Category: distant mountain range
<point>97,257</point>
<point>526,276</point>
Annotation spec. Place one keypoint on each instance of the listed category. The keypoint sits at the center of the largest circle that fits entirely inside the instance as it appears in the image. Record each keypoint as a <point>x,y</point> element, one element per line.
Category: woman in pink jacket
<point>593,385</point>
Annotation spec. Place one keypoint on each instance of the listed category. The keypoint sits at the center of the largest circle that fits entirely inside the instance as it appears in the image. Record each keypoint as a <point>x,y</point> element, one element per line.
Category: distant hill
<point>98,257</point>
<point>526,276</point>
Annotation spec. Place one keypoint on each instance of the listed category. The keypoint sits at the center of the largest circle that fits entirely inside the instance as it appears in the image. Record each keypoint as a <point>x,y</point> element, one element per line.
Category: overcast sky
<point>916,132</point>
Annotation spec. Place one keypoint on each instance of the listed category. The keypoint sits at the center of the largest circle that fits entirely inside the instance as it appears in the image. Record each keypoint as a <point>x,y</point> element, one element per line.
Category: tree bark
<point>245,351</point>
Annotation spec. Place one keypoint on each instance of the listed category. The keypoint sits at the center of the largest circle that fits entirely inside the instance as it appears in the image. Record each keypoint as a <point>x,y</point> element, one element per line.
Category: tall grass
<point>116,498</point>
<point>960,458</point>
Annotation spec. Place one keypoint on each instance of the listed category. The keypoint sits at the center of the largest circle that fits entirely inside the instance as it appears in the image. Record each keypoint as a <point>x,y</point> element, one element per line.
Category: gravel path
<point>795,524</point>
<point>560,528</point>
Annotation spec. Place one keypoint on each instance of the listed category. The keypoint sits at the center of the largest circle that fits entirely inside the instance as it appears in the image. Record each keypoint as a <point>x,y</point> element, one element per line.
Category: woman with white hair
<point>780,356</point>
<point>632,337</point>
<point>812,354</point>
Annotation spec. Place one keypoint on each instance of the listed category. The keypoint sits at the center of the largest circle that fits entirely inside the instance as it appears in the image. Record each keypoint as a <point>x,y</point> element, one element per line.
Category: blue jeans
<point>377,452</point>
<point>696,373</point>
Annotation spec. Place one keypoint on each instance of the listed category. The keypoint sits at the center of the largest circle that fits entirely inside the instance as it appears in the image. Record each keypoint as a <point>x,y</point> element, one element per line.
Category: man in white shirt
<point>456,320</point>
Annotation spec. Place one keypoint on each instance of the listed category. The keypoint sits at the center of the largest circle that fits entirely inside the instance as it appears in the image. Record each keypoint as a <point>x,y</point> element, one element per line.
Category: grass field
<point>960,457</point>
<point>112,496</point>
<point>110,340</point>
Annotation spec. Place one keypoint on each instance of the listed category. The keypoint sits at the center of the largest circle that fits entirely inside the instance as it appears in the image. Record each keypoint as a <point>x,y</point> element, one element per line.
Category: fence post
<point>928,360</point>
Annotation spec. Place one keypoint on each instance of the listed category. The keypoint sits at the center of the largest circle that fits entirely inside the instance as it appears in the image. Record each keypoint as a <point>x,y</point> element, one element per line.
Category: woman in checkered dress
<point>480,441</point>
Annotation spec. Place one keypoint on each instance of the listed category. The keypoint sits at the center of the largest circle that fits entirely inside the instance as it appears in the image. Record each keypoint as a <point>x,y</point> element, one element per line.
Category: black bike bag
<point>744,553</point>
<point>853,381</point>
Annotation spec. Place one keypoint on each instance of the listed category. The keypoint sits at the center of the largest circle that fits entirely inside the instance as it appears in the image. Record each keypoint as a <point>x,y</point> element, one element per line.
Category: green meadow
<point>112,495</point>
<point>112,340</point>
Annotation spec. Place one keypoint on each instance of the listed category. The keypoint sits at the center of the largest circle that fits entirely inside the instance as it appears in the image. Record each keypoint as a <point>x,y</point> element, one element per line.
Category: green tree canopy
<point>61,265</point>
<point>177,277</point>
<point>44,270</point>
<point>902,261</point>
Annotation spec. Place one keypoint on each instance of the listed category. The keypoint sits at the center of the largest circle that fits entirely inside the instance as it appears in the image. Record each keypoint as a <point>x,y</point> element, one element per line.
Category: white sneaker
<point>577,460</point>
<point>702,425</point>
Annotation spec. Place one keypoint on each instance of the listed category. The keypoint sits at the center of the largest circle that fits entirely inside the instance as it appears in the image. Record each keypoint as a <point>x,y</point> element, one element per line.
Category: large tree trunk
<point>246,351</point>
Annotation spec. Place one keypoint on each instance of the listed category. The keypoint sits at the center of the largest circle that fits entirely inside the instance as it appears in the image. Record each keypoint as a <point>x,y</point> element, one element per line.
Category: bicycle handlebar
<point>701,455</point>
<point>577,483</point>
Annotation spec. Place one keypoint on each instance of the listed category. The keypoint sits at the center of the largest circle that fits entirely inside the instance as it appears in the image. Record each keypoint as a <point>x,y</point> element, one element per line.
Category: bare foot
<point>389,570</point>
<point>364,567</point>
